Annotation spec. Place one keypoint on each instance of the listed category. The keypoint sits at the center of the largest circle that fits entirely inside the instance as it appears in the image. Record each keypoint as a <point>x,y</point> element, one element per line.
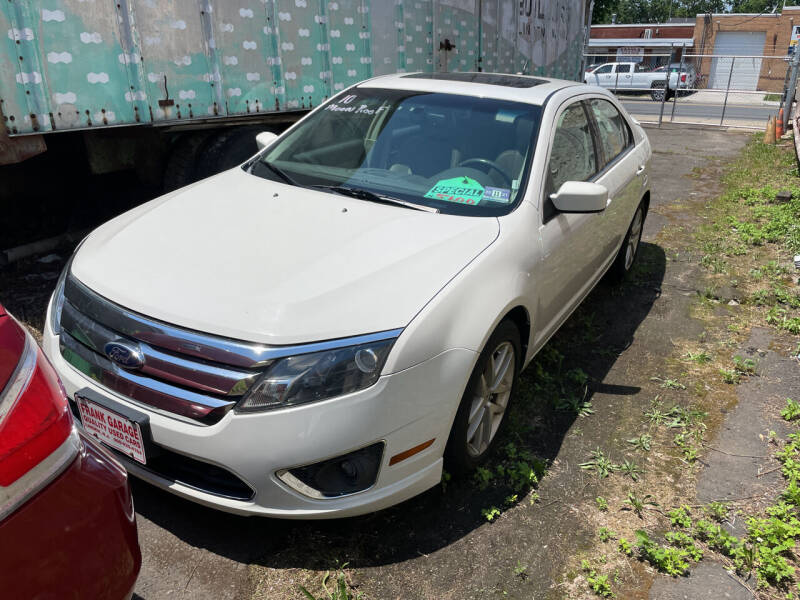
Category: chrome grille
<point>186,373</point>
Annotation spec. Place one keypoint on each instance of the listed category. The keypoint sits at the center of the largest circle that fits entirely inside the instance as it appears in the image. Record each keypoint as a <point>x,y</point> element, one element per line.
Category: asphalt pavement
<point>686,111</point>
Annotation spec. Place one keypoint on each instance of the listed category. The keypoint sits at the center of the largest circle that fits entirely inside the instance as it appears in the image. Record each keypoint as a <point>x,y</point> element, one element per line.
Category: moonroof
<point>514,81</point>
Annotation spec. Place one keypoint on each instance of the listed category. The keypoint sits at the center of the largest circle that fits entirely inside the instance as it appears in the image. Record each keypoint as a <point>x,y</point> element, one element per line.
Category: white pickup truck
<point>632,77</point>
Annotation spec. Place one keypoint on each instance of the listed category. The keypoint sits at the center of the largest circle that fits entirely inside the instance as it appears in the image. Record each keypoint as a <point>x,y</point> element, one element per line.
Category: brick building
<point>754,38</point>
<point>647,43</point>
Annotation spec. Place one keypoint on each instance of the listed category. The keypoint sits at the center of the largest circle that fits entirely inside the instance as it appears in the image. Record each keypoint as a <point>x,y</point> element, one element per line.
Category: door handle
<point>640,170</point>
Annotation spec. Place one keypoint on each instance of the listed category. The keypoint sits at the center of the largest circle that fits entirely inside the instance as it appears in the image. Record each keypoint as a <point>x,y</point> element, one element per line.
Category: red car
<point>67,526</point>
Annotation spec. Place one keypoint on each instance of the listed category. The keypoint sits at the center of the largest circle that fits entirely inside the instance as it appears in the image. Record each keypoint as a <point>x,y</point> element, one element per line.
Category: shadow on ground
<point>591,340</point>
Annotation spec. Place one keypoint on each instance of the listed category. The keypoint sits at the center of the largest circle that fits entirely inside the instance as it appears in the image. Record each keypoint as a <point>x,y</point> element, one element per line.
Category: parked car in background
<point>631,77</point>
<point>67,526</point>
<point>317,332</point>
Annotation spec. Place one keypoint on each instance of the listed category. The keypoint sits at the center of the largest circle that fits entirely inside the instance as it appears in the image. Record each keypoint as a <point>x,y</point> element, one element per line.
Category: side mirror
<point>580,197</point>
<point>264,139</point>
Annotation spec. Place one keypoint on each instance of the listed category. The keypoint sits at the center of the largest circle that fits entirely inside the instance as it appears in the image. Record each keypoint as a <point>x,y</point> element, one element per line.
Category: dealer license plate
<point>110,428</point>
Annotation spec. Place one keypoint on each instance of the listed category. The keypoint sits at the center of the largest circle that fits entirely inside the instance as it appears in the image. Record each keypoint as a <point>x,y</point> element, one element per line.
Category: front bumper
<point>403,410</point>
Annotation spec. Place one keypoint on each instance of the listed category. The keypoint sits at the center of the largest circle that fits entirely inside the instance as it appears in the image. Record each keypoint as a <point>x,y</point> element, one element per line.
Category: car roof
<point>518,88</point>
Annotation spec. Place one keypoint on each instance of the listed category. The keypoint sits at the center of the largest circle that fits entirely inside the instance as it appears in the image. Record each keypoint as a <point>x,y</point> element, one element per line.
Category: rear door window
<point>615,136</point>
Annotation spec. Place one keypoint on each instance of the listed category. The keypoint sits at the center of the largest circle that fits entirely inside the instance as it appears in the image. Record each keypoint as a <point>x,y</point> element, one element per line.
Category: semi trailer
<point>177,89</point>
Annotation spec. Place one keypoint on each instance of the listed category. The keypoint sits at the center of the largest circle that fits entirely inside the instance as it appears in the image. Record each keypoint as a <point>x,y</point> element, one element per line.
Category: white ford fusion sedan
<point>317,332</point>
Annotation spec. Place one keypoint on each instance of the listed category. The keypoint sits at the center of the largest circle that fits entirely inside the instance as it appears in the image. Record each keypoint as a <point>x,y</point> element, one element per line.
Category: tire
<point>657,91</point>
<point>180,169</point>
<point>467,449</point>
<point>226,149</point>
<point>626,257</point>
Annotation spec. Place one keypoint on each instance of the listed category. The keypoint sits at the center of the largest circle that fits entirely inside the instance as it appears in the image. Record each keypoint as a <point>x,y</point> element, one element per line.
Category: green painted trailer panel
<point>72,64</point>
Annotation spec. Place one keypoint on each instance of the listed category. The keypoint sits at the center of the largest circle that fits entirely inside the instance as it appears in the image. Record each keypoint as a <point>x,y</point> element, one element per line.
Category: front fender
<point>467,310</point>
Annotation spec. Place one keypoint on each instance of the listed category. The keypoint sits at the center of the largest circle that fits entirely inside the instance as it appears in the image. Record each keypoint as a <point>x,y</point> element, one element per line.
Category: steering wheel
<point>485,162</point>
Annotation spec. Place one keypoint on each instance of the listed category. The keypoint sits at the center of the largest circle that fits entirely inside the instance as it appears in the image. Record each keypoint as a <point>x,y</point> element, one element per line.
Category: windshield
<point>457,154</point>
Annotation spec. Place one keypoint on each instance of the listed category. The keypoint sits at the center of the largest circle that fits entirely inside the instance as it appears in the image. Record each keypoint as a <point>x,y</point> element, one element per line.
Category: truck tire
<point>657,91</point>
<point>227,148</point>
<point>181,165</point>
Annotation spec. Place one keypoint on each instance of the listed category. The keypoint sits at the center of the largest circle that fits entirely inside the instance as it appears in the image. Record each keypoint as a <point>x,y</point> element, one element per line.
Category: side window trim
<point>598,143</point>
<point>599,152</point>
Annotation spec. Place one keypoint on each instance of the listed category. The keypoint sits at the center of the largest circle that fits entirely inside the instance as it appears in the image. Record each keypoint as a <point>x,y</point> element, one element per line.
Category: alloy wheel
<point>490,399</point>
<point>633,239</point>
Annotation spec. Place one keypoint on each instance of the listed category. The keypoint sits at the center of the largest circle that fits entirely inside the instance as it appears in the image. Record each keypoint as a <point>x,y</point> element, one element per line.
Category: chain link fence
<point>678,86</point>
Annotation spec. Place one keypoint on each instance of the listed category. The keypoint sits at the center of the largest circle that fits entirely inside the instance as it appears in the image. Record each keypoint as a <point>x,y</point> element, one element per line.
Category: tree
<point>601,13</point>
<point>752,6</point>
<point>660,11</point>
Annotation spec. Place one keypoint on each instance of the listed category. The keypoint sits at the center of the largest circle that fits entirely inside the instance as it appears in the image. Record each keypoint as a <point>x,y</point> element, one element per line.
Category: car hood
<point>247,258</point>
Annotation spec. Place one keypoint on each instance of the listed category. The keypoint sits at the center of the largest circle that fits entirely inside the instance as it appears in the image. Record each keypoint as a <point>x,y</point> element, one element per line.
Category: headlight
<point>317,376</point>
<point>57,300</point>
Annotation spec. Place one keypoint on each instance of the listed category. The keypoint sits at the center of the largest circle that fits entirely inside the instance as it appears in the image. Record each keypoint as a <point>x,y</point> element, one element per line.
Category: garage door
<point>745,70</point>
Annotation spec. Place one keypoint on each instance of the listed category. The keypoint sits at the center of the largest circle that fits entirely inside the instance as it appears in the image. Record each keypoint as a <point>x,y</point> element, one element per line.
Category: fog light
<point>340,476</point>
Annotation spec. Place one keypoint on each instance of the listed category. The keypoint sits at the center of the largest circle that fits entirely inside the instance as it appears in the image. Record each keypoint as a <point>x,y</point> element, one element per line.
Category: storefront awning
<point>640,42</point>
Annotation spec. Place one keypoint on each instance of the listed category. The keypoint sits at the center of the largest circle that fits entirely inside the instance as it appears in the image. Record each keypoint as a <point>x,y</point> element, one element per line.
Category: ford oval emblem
<point>125,354</point>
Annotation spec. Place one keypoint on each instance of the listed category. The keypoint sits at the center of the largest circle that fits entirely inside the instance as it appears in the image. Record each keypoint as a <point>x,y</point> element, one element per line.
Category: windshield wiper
<point>362,194</point>
<point>279,172</point>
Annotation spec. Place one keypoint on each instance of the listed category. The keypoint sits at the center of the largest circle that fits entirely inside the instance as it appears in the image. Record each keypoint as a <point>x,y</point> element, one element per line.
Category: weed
<point>642,442</point>
<point>521,475</point>
<point>714,263</point>
<point>681,540</point>
<point>630,469</point>
<point>602,504</point>
<point>666,559</point>
<point>744,366</point>
<point>772,567</point>
<point>339,591</point>
<point>605,534</point>
<point>717,511</point>
<point>700,358</point>
<point>573,404</point>
<point>521,571</point>
<point>445,480</point>
<point>730,376</point>
<point>770,270</point>
<point>599,584</point>
<point>655,415</point>
<point>717,537</point>
<point>777,317</point>
<point>689,452</point>
<point>679,517</point>
<point>685,417</point>
<point>639,503</point>
<point>792,410</point>
<point>671,384</point>
<point>600,464</point>
<point>624,546</point>
<point>511,500</point>
<point>792,493</point>
<point>490,514</point>
<point>483,477</point>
